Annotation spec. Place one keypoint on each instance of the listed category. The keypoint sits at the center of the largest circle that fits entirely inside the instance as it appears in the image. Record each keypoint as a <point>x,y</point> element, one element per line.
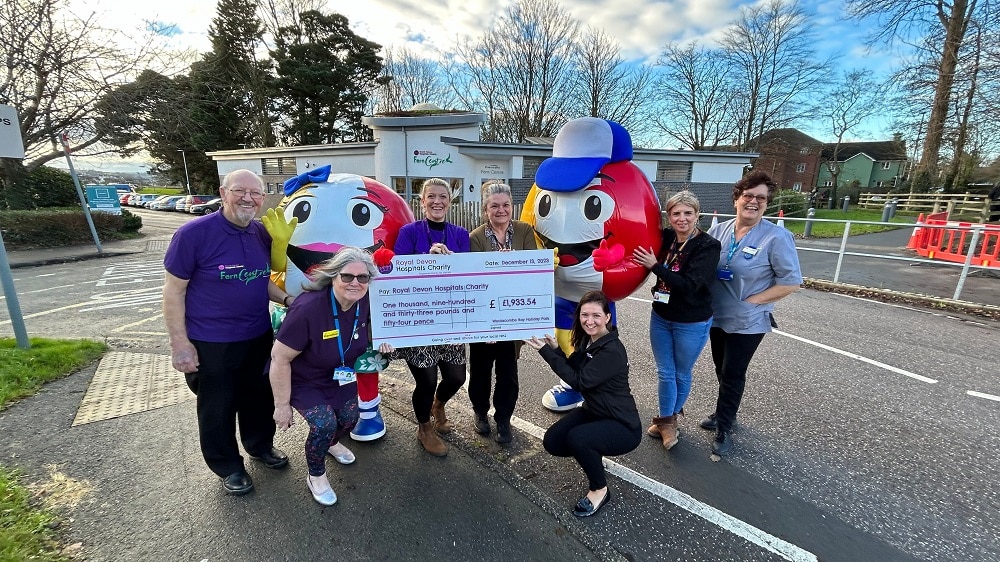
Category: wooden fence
<point>467,215</point>
<point>961,203</point>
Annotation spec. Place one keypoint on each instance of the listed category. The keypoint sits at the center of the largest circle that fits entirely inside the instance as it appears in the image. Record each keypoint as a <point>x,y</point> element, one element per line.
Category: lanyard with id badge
<point>726,274</point>
<point>662,292</point>
<point>343,374</point>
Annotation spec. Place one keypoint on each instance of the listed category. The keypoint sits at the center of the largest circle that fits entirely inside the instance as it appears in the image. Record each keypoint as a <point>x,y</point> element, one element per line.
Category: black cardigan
<point>690,297</point>
<point>600,373</point>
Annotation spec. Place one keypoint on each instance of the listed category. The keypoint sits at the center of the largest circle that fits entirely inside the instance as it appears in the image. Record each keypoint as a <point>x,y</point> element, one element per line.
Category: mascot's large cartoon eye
<point>544,205</point>
<point>597,206</point>
<point>364,214</point>
<point>302,210</point>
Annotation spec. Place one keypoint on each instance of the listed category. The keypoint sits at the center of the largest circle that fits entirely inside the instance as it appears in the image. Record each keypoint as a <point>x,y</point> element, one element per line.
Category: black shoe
<point>585,509</point>
<point>504,435</point>
<point>723,442</point>
<point>272,459</point>
<point>482,424</point>
<point>237,483</point>
<point>709,423</point>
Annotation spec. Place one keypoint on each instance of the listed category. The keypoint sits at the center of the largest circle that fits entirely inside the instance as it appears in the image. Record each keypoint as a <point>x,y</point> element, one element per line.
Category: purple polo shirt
<point>227,269</point>
<point>309,328</point>
<point>417,238</point>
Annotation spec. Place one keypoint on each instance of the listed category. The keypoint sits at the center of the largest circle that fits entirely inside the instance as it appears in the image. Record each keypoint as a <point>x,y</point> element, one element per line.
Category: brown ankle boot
<point>654,430</point>
<point>441,422</point>
<point>667,426</point>
<point>430,440</point>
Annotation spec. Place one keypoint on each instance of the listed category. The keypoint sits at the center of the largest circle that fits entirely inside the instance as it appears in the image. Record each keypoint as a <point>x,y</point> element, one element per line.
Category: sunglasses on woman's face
<point>348,278</point>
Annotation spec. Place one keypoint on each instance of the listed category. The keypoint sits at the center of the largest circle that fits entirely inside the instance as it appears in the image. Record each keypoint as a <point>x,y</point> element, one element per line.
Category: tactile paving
<point>154,245</point>
<point>128,383</point>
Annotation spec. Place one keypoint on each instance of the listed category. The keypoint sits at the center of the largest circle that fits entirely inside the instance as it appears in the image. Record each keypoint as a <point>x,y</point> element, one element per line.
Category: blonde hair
<point>683,198</point>
<point>433,181</point>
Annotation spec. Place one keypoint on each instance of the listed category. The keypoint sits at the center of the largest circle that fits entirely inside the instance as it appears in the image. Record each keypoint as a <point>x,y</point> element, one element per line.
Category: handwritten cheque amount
<point>463,298</point>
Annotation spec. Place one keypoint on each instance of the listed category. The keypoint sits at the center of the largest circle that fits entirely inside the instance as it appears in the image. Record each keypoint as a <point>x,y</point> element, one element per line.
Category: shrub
<point>60,227</point>
<point>131,222</point>
<point>49,187</point>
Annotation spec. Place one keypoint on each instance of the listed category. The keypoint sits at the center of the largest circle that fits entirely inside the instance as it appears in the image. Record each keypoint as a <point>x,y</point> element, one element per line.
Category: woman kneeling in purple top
<point>324,340</point>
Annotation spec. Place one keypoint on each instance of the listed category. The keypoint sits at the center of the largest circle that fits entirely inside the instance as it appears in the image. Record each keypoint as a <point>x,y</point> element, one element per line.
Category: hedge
<point>49,228</point>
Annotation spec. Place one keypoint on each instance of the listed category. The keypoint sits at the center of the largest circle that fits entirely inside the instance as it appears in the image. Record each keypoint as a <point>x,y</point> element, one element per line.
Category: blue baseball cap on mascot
<point>582,147</point>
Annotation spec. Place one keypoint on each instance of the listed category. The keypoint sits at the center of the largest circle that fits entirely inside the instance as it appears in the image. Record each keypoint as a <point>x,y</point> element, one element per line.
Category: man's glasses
<point>241,193</point>
<point>750,197</point>
<point>364,278</point>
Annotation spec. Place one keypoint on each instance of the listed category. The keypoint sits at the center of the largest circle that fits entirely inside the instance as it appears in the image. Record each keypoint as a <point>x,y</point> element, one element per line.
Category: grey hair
<point>494,187</point>
<point>683,198</point>
<point>434,181</point>
<point>228,179</point>
<point>322,276</point>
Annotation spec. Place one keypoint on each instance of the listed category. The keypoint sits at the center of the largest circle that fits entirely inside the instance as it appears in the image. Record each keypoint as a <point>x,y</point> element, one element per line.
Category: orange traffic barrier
<point>952,241</point>
<point>914,242</point>
<point>781,218</point>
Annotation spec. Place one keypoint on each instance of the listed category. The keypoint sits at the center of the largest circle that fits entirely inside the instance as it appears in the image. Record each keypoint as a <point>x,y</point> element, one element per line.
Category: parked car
<point>185,204</point>
<point>171,203</point>
<point>206,208</point>
<point>157,204</point>
<point>140,200</point>
<point>124,198</point>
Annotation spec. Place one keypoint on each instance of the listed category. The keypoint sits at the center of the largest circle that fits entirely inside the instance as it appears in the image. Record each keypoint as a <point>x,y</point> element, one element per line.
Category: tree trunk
<point>957,23</point>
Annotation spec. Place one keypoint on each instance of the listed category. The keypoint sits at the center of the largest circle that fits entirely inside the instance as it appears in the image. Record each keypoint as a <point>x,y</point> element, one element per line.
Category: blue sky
<point>642,27</point>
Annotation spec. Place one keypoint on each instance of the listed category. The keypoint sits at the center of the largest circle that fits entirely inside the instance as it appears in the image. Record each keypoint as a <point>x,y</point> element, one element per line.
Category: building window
<point>829,183</point>
<point>886,165</point>
<point>797,186</point>
<point>800,168</point>
<point>879,184</point>
<point>531,166</point>
<point>804,150</point>
<point>667,170</point>
<point>278,167</point>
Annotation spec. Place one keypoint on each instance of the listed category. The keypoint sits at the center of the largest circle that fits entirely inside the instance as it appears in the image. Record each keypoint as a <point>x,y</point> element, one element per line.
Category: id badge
<point>725,275</point>
<point>661,297</point>
<point>344,375</point>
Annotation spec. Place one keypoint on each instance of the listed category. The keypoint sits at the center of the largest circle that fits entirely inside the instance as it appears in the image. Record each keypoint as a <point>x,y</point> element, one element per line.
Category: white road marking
<point>982,395</point>
<point>134,324</point>
<point>861,358</point>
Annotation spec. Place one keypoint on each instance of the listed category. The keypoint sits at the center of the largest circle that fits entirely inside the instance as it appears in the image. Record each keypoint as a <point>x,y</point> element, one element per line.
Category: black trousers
<point>426,379</point>
<point>231,386</point>
<point>732,354</point>
<point>587,438</point>
<point>483,358</point>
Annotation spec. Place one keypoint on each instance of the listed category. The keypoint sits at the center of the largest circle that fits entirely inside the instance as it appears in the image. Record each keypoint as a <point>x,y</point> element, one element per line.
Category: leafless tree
<point>848,104</point>
<point>276,14</point>
<point>411,79</point>
<point>897,20</point>
<point>56,69</point>
<point>774,64</point>
<point>696,94</point>
<point>611,88</point>
<point>520,71</point>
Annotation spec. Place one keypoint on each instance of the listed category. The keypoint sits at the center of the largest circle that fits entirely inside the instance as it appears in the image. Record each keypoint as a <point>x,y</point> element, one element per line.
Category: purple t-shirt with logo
<point>309,328</point>
<point>227,269</point>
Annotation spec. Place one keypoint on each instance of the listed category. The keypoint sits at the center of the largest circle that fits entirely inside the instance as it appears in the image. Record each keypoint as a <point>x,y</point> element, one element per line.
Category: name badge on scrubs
<point>749,252</point>
<point>344,375</point>
<point>661,297</point>
<point>725,275</point>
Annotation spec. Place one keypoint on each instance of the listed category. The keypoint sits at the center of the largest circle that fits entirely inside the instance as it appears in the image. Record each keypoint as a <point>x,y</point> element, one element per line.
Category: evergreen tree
<point>324,76</point>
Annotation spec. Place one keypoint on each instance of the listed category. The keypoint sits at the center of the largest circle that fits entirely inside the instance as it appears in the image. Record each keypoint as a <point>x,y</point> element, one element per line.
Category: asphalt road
<point>867,433</point>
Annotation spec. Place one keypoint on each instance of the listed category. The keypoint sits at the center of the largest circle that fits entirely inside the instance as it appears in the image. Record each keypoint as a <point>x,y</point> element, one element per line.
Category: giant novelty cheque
<point>463,298</point>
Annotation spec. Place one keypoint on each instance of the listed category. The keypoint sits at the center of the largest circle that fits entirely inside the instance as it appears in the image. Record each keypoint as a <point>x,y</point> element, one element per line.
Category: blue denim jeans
<point>676,347</point>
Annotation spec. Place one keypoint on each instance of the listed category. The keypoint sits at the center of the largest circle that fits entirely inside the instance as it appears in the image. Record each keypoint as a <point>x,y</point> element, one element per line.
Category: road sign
<point>11,145</point>
<point>103,198</point>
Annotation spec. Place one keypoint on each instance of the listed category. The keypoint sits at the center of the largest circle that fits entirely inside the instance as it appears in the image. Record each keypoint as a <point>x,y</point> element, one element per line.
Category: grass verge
<point>27,530</point>
<point>836,229</point>
<point>23,371</point>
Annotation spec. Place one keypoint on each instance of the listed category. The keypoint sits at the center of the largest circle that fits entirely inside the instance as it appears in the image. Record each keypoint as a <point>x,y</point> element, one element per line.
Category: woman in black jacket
<point>682,307</point>
<point>608,422</point>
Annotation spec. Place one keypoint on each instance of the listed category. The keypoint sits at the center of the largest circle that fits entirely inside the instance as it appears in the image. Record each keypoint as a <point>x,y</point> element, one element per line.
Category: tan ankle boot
<point>667,426</point>
<point>430,440</point>
<point>441,422</point>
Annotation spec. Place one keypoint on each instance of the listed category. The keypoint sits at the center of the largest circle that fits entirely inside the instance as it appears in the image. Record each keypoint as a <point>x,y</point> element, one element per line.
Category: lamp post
<point>186,177</point>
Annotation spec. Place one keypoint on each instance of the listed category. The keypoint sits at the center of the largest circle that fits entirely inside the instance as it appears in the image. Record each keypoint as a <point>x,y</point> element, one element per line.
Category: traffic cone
<point>781,218</point>
<point>715,219</point>
<point>914,242</point>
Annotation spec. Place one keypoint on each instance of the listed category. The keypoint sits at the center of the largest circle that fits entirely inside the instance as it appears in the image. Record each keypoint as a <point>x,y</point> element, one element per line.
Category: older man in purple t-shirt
<point>215,305</point>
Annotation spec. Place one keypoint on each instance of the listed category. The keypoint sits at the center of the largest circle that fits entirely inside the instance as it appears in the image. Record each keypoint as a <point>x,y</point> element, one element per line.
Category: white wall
<point>717,172</point>
<point>226,166</point>
<point>360,164</point>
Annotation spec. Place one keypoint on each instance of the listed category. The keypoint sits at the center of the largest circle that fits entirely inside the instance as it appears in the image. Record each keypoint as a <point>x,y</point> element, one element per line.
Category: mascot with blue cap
<point>593,207</point>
